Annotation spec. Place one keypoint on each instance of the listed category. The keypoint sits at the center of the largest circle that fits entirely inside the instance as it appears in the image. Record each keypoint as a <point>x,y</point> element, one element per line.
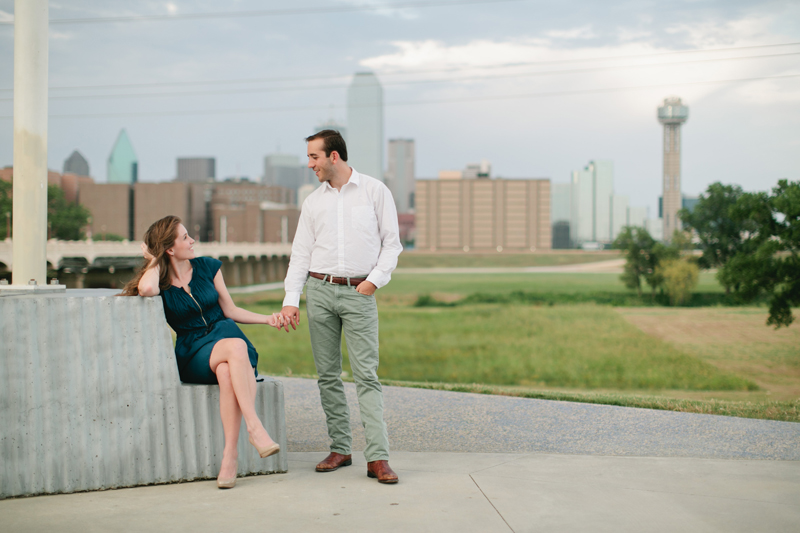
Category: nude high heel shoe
<point>227,482</point>
<point>268,450</point>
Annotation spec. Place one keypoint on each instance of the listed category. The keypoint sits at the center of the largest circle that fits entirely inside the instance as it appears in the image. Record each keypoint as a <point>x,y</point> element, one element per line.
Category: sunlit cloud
<point>707,34</point>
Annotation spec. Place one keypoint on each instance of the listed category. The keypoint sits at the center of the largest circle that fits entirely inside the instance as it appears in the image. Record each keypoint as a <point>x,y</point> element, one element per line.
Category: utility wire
<point>311,10</point>
<point>195,83</point>
<point>548,94</point>
<point>408,82</point>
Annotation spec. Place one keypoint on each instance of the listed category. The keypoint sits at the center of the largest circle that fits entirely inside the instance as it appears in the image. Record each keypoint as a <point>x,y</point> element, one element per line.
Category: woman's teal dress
<point>199,322</point>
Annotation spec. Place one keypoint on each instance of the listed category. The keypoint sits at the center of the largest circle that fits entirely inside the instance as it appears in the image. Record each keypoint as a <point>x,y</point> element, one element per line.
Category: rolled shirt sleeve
<point>389,229</point>
<point>297,274</point>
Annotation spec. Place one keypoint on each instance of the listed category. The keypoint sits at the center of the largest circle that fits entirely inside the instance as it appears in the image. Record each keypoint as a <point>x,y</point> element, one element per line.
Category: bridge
<point>243,263</point>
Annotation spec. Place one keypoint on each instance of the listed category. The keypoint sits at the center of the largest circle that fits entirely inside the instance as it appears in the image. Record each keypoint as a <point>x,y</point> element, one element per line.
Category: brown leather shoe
<point>334,461</point>
<point>382,471</point>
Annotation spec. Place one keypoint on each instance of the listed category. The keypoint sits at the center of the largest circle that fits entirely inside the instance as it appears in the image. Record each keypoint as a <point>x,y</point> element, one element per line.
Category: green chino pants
<point>331,309</point>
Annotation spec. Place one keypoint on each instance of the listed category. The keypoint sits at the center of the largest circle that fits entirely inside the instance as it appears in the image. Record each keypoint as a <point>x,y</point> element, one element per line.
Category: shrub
<point>679,279</point>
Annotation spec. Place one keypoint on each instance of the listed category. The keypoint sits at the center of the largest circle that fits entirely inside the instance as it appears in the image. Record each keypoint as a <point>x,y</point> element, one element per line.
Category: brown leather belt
<point>337,281</point>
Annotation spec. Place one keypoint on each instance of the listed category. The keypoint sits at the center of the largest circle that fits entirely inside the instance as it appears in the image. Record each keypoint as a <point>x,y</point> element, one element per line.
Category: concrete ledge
<point>90,399</point>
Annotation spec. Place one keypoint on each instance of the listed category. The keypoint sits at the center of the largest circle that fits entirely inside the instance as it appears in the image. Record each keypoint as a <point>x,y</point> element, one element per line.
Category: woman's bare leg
<point>234,353</point>
<point>231,421</point>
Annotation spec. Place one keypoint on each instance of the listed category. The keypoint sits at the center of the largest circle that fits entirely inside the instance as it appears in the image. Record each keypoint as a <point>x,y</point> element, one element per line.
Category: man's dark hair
<point>332,141</point>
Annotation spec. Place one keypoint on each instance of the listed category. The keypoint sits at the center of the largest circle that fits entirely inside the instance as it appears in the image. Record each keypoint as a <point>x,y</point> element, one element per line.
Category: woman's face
<point>183,248</point>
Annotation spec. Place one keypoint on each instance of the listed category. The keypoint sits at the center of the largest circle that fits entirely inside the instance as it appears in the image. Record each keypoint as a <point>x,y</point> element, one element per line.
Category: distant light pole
<point>30,141</point>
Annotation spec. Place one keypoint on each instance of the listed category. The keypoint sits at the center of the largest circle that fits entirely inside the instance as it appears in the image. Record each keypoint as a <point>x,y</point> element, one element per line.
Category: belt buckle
<point>331,278</point>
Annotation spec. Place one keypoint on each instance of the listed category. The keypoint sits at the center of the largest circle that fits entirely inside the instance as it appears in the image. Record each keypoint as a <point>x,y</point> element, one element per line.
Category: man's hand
<point>367,288</point>
<point>291,315</point>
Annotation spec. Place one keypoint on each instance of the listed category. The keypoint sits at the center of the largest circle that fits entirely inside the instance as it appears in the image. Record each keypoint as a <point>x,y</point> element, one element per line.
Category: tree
<point>6,205</point>
<point>66,220</point>
<point>637,245</point>
<point>679,279</point>
<point>768,260</point>
<point>720,234</point>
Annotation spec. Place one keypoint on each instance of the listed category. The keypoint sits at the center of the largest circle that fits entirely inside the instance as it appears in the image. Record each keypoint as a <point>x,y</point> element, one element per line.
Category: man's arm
<point>297,274</point>
<point>389,229</point>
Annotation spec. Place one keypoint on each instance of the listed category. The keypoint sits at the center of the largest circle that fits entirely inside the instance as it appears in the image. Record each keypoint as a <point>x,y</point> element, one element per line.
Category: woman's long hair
<point>159,238</point>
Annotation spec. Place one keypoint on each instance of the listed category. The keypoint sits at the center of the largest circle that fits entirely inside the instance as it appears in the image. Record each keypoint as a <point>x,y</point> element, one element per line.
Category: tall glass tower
<point>123,166</point>
<point>672,114</point>
<point>365,125</point>
<point>400,173</point>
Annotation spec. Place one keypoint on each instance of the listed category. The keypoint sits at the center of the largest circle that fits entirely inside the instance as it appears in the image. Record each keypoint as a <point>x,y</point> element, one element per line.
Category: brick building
<point>483,215</point>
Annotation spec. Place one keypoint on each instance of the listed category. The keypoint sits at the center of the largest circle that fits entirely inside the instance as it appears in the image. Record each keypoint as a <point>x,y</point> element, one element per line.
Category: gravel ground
<point>422,420</point>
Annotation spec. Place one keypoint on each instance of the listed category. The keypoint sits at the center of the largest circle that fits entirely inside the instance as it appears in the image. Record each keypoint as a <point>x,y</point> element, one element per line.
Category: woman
<point>210,348</point>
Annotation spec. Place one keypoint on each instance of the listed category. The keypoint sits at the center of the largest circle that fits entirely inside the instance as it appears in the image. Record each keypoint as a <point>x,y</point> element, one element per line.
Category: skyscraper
<point>619,214</point>
<point>286,170</point>
<point>332,124</point>
<point>592,189</point>
<point>400,174</point>
<point>123,166</point>
<point>365,124</point>
<point>196,169</point>
<point>672,114</point>
<point>76,164</point>
<point>561,214</point>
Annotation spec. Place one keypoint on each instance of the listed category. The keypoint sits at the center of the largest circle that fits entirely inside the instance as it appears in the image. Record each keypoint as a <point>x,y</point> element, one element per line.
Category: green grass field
<point>562,349</point>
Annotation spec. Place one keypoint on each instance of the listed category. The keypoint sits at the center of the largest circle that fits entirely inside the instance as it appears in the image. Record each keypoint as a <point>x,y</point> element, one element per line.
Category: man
<point>346,247</point>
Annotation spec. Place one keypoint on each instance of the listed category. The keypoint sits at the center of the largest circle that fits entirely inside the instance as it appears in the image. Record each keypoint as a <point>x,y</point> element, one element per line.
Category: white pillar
<point>30,141</point>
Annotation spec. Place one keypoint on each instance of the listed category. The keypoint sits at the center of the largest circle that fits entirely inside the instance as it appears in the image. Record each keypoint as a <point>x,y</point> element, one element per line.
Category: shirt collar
<point>354,179</point>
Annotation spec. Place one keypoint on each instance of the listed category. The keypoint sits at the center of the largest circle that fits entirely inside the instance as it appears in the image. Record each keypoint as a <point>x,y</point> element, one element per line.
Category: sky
<point>537,88</point>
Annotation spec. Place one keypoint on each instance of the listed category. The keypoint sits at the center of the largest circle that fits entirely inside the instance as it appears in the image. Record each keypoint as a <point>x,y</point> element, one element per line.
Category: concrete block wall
<point>90,399</point>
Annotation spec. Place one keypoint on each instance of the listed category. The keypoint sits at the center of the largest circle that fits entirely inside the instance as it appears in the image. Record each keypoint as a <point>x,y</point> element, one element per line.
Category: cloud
<point>407,14</point>
<point>583,32</point>
<point>6,17</point>
<point>59,35</point>
<point>462,70</point>
<point>709,34</point>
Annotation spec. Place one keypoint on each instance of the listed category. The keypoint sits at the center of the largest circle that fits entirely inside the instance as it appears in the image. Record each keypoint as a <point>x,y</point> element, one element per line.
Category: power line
<point>548,94</point>
<point>195,83</point>
<point>269,12</point>
<point>408,82</point>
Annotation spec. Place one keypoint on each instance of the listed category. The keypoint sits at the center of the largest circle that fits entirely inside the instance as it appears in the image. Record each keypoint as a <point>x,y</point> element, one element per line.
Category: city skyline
<point>536,91</point>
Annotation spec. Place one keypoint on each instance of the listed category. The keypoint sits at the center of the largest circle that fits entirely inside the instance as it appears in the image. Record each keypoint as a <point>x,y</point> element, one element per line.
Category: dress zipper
<point>200,308</point>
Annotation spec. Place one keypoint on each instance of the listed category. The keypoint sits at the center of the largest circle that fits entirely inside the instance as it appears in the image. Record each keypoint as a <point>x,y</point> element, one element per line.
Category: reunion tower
<point>672,114</point>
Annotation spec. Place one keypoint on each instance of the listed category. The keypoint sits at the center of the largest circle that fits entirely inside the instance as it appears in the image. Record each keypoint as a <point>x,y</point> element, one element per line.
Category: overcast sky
<point>537,88</point>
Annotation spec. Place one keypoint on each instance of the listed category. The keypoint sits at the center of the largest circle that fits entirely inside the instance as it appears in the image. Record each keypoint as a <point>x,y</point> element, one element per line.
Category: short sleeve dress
<point>200,323</point>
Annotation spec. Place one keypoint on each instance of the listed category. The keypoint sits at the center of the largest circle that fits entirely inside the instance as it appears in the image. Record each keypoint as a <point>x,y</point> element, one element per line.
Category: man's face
<point>318,161</point>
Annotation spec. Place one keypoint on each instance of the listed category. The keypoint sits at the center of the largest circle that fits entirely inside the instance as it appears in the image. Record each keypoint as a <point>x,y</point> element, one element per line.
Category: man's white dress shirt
<point>348,233</point>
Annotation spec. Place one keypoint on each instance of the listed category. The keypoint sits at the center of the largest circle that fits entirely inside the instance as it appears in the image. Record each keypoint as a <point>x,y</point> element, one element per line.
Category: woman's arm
<point>148,285</point>
<point>237,314</point>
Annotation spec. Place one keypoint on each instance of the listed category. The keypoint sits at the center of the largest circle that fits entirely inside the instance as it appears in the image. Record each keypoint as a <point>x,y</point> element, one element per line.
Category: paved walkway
<point>479,463</point>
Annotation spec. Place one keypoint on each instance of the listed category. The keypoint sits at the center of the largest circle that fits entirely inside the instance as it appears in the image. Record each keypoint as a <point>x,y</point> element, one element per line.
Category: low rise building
<point>483,214</point>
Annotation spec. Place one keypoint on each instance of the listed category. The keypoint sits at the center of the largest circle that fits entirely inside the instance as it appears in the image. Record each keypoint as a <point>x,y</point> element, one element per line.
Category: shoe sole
<point>385,481</point>
<point>344,463</point>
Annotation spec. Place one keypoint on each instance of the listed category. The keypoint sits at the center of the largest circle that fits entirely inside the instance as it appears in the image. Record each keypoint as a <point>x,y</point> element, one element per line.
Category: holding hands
<point>276,320</point>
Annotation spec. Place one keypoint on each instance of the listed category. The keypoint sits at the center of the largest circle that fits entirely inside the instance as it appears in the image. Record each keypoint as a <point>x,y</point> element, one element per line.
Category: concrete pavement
<point>518,465</point>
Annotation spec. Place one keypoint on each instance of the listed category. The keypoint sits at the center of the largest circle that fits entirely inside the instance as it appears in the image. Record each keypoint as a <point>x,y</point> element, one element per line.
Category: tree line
<point>751,238</point>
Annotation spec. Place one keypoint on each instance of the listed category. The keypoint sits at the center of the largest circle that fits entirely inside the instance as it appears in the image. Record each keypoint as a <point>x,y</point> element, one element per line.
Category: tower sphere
<point>673,111</point>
